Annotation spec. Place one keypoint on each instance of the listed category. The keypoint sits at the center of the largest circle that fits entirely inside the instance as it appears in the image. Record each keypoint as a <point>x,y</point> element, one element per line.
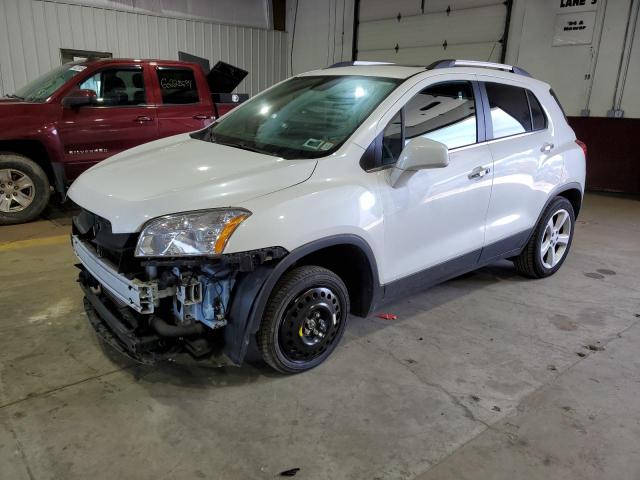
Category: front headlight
<point>189,234</point>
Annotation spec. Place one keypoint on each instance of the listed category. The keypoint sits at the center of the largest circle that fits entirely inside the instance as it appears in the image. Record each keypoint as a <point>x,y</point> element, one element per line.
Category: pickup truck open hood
<point>180,174</point>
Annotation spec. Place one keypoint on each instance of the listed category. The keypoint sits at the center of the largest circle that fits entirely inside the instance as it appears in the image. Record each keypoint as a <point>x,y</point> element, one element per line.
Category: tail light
<point>583,146</point>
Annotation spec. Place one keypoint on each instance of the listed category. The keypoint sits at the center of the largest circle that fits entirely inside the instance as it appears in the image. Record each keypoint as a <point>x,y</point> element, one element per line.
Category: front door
<point>122,119</point>
<point>437,215</point>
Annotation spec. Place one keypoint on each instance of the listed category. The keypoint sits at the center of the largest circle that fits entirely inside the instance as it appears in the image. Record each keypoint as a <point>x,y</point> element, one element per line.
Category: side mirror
<point>420,153</point>
<point>80,98</point>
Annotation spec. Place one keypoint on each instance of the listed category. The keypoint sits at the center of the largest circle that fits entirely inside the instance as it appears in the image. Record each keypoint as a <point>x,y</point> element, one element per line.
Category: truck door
<point>183,100</point>
<point>122,118</point>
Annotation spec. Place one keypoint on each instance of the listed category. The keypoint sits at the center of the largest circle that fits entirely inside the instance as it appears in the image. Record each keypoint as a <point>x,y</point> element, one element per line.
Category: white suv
<point>331,192</point>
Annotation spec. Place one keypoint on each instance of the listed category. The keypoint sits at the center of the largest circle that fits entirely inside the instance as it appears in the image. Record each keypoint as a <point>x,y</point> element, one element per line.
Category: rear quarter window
<point>538,118</point>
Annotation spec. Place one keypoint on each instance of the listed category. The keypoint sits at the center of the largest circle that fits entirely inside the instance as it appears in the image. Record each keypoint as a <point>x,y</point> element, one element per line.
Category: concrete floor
<point>487,376</point>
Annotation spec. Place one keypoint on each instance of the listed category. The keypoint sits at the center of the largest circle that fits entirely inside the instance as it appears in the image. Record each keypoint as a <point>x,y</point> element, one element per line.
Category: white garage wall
<point>32,32</point>
<point>322,35</point>
<point>250,13</point>
<point>583,76</point>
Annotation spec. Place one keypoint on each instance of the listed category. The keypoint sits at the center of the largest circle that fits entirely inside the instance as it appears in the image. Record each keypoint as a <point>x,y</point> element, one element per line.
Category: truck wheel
<point>304,319</point>
<point>549,245</point>
<point>24,189</point>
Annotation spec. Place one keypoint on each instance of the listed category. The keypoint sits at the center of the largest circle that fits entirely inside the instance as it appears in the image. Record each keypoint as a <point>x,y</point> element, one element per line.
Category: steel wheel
<point>555,238</point>
<point>310,324</point>
<point>17,190</point>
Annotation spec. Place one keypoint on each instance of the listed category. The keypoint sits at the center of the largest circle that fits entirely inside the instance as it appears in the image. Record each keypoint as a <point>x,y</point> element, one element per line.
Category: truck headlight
<point>199,233</point>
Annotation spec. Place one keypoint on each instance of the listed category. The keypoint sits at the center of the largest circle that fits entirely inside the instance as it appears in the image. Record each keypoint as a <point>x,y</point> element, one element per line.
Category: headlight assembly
<point>201,233</point>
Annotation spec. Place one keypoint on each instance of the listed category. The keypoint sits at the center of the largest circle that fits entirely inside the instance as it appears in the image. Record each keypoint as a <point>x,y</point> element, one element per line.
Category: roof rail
<point>475,63</point>
<point>358,62</point>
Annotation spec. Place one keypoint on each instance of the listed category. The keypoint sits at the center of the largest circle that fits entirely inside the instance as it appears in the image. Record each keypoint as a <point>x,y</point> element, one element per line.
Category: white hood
<point>180,174</point>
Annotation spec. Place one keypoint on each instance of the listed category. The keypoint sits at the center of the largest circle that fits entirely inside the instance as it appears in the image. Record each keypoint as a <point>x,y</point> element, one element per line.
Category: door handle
<point>479,172</point>
<point>546,147</point>
<point>143,118</point>
<point>201,117</point>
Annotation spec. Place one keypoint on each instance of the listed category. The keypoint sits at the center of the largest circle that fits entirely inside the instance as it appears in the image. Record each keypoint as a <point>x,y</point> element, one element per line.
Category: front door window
<point>116,87</point>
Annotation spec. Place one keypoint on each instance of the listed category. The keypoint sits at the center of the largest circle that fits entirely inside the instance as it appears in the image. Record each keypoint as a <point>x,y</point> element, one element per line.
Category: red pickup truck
<point>80,113</point>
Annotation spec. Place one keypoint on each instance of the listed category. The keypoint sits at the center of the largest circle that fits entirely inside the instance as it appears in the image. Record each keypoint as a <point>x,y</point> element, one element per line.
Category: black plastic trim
<point>356,27</point>
<point>481,129</point>
<point>111,329</point>
<point>507,247</point>
<point>252,292</point>
<point>59,178</point>
<point>505,36</point>
<point>243,315</point>
<point>488,123</point>
<point>555,193</point>
<point>431,276</point>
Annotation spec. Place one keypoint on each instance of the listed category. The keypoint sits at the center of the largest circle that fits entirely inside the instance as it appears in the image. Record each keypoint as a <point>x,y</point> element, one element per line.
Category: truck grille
<point>116,247</point>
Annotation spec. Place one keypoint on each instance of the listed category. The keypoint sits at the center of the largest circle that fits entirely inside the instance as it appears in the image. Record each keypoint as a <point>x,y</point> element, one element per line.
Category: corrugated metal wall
<point>32,32</point>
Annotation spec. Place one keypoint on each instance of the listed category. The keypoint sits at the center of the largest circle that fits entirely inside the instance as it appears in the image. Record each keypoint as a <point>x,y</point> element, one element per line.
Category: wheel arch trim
<point>557,192</point>
<point>253,291</point>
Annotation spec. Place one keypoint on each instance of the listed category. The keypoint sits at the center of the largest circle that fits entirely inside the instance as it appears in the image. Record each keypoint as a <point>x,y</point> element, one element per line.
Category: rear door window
<point>509,106</point>
<point>178,86</point>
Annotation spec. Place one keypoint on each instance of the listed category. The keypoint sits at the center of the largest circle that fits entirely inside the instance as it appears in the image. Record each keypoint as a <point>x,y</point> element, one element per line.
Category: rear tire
<point>24,189</point>
<point>550,243</point>
<point>304,319</point>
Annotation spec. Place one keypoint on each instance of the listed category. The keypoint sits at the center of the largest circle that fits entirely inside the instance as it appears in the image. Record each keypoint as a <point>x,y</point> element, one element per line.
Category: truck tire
<point>550,243</point>
<point>304,319</point>
<point>24,189</point>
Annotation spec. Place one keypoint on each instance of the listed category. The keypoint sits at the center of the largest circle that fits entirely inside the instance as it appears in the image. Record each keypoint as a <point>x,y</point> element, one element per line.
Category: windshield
<point>303,117</point>
<point>43,87</point>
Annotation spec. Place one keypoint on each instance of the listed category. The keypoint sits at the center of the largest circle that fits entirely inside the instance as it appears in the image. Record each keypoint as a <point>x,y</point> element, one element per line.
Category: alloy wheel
<point>555,239</point>
<point>17,190</point>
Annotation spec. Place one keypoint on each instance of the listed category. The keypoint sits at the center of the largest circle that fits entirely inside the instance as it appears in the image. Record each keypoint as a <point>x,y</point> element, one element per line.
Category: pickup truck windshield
<point>43,87</point>
<point>304,117</point>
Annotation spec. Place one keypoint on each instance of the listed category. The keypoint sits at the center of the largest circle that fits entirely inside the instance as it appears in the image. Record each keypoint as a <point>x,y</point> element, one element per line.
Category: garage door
<point>419,32</point>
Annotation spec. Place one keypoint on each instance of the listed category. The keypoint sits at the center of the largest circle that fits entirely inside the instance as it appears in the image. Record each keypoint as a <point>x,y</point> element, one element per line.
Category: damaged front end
<point>153,309</point>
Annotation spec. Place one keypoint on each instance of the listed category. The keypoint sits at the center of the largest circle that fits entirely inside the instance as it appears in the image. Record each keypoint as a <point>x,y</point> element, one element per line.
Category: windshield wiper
<point>13,95</point>
<point>241,145</point>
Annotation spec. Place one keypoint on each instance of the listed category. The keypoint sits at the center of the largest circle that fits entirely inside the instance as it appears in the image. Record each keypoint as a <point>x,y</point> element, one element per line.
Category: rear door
<point>527,164</point>
<point>123,118</point>
<point>183,101</point>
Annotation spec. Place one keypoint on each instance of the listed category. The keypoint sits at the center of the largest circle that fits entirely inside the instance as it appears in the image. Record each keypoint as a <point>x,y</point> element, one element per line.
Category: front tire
<point>550,243</point>
<point>24,189</point>
<point>304,319</point>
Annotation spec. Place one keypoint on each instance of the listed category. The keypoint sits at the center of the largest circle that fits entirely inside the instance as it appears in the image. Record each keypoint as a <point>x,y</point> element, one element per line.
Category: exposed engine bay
<point>152,309</point>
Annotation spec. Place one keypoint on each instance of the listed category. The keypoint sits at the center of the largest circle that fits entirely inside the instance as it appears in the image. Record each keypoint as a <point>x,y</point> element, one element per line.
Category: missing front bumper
<point>118,333</point>
<point>141,296</point>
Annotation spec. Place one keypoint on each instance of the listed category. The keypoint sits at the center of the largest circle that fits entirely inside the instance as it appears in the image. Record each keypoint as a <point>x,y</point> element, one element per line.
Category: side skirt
<point>506,248</point>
